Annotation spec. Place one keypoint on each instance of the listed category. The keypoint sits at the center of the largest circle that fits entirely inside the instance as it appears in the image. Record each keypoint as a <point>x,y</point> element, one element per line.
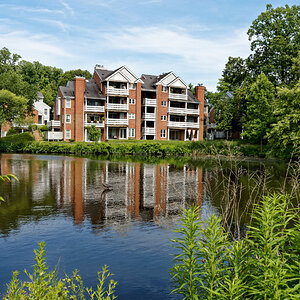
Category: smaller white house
<point>43,110</point>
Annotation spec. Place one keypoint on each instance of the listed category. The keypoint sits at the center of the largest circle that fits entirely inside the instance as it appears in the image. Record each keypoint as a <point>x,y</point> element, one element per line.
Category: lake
<point>62,200</point>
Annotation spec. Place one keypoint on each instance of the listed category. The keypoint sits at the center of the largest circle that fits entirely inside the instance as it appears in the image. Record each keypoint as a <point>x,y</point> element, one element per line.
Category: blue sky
<point>191,38</point>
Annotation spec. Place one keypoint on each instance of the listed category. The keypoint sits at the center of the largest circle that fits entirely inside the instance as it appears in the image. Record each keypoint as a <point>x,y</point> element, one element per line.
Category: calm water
<point>60,200</point>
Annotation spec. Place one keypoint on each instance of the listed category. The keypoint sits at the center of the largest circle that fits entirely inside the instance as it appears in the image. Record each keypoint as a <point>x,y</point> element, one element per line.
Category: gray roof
<point>149,82</point>
<point>103,74</point>
<point>91,90</point>
<point>192,98</point>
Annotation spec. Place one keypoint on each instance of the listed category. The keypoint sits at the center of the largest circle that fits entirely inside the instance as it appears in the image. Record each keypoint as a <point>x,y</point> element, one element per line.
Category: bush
<point>12,131</point>
<point>263,265</point>
<point>45,284</point>
<point>17,138</point>
<point>43,128</point>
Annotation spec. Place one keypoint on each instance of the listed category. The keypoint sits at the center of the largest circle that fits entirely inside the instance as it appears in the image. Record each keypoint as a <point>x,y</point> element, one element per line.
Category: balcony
<point>150,102</point>
<point>97,124</point>
<point>192,125</point>
<point>191,111</point>
<point>54,135</point>
<point>118,92</point>
<point>149,131</point>
<point>177,96</point>
<point>52,124</point>
<point>177,110</point>
<point>116,106</point>
<point>117,122</point>
<point>149,116</point>
<point>177,124</point>
<point>90,108</point>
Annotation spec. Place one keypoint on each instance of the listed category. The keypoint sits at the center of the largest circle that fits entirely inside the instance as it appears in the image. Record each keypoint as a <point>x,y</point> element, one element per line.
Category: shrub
<point>263,265</point>
<point>12,131</point>
<point>43,128</point>
<point>17,138</point>
<point>45,284</point>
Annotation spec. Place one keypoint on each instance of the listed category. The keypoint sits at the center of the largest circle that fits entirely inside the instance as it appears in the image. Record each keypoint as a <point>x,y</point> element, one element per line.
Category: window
<point>68,102</point>
<point>131,101</point>
<point>164,89</point>
<point>68,118</point>
<point>68,134</point>
<point>163,133</point>
<point>163,103</point>
<point>163,118</point>
<point>132,86</point>
<point>131,116</point>
<point>205,109</point>
<point>131,132</point>
<point>45,111</point>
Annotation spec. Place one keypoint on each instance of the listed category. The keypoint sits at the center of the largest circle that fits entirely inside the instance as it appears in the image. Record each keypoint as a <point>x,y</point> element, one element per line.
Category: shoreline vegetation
<point>25,143</point>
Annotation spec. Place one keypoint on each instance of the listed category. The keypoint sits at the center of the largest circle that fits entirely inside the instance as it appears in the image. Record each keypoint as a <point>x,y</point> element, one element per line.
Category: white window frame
<point>163,133</point>
<point>132,86</point>
<point>46,111</point>
<point>164,89</point>
<point>131,101</point>
<point>68,102</point>
<point>68,134</point>
<point>68,122</point>
<point>131,132</point>
<point>131,116</point>
<point>163,118</point>
<point>163,103</point>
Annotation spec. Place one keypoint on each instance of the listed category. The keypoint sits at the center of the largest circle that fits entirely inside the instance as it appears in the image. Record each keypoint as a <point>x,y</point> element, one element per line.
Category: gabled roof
<point>192,98</point>
<point>149,82</point>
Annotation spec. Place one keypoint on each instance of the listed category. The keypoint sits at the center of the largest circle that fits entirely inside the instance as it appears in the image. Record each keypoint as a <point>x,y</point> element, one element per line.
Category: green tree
<point>275,41</point>
<point>11,107</point>
<point>69,76</point>
<point>94,133</point>
<point>259,114</point>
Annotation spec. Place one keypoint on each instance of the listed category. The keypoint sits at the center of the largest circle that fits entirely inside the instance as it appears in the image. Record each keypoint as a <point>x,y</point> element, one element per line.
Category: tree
<point>275,40</point>
<point>259,114</point>
<point>69,76</point>
<point>94,133</point>
<point>11,107</point>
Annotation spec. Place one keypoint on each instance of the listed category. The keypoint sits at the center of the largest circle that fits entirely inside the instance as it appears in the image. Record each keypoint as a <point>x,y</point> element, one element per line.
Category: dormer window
<point>165,89</point>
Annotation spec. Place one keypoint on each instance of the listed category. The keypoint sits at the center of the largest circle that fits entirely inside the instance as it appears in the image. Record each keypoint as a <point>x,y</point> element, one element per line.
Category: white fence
<point>177,96</point>
<point>116,121</point>
<point>119,92</point>
<point>91,108</point>
<point>116,106</point>
<point>54,135</point>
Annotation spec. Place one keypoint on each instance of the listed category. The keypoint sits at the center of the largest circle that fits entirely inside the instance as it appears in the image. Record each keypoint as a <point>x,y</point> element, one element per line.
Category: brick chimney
<point>79,89</point>
<point>199,93</point>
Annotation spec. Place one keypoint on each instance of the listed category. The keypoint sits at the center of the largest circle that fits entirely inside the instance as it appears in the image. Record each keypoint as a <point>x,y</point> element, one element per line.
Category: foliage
<point>94,133</point>
<point>262,265</point>
<point>11,107</point>
<point>69,76</point>
<point>43,128</point>
<point>17,138</point>
<point>259,114</point>
<point>45,284</point>
<point>284,135</point>
<point>275,41</point>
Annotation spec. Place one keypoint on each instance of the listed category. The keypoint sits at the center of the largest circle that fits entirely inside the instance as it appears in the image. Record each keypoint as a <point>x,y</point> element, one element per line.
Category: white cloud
<point>32,10</point>
<point>68,7</point>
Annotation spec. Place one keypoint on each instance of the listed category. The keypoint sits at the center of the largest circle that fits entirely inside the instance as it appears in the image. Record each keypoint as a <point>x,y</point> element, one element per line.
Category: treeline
<point>24,78</point>
<point>260,95</point>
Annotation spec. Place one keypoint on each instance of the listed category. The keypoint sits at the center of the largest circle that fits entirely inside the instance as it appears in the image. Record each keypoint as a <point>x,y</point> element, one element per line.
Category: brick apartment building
<point>124,106</point>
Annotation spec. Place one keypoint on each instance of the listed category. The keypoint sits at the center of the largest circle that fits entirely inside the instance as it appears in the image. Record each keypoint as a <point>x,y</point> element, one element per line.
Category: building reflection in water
<point>140,192</point>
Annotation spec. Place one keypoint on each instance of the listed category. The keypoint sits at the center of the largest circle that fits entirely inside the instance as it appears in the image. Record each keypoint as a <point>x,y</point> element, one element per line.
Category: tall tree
<point>11,107</point>
<point>259,114</point>
<point>275,41</point>
<point>69,76</point>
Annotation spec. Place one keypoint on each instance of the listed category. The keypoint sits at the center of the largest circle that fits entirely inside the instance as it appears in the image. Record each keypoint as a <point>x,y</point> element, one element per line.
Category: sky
<point>191,38</point>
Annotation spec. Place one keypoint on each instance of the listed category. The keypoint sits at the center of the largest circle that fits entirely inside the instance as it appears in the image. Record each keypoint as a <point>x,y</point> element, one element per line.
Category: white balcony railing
<point>119,92</point>
<point>149,131</point>
<point>192,124</point>
<point>177,124</point>
<point>191,111</point>
<point>115,106</point>
<point>149,102</point>
<point>54,135</point>
<point>91,108</point>
<point>149,116</point>
<point>97,124</point>
<point>177,110</point>
<point>116,121</point>
<point>177,96</point>
<point>53,123</point>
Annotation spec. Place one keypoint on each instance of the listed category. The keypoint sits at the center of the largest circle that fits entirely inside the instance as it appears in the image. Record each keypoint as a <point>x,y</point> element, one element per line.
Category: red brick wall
<point>135,109</point>
<point>161,110</point>
<point>78,118</point>
<point>199,93</point>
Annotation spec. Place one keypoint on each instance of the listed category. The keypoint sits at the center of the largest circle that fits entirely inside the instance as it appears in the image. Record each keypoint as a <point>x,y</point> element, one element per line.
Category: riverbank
<point>19,144</point>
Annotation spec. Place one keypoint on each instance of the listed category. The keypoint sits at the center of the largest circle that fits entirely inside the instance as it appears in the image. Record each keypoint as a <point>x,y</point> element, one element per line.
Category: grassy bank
<point>24,144</point>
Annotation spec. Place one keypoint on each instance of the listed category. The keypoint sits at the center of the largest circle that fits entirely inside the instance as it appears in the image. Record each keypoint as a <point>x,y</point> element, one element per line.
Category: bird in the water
<point>107,186</point>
